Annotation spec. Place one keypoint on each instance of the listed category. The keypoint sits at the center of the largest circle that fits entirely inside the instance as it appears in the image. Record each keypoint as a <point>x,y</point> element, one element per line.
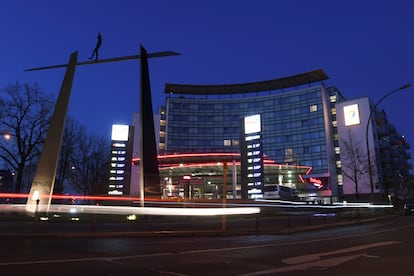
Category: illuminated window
<point>340,180</point>
<point>227,142</point>
<point>235,142</point>
<point>332,98</point>
<point>333,111</point>
<point>334,123</point>
<point>338,164</point>
<point>313,108</point>
<point>337,150</point>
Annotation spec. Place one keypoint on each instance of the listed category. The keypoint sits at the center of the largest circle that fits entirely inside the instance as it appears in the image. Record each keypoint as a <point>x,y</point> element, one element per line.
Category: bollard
<point>35,220</point>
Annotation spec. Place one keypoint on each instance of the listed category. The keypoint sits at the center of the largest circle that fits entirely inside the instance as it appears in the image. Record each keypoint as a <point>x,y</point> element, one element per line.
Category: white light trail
<point>127,210</point>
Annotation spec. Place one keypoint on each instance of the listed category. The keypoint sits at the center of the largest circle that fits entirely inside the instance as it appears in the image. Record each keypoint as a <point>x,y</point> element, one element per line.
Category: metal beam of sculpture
<point>106,60</point>
<point>44,179</point>
<point>149,172</point>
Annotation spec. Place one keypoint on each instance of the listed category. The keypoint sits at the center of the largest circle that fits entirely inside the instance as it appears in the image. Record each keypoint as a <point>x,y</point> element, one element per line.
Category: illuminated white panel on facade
<point>120,132</point>
<point>351,114</point>
<point>252,124</point>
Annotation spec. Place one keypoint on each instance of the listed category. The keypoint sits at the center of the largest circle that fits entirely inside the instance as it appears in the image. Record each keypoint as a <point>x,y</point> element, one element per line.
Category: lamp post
<point>366,134</point>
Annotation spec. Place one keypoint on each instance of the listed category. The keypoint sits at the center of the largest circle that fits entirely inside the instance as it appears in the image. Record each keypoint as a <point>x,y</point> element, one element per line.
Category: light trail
<point>187,208</point>
<point>128,210</point>
<point>336,205</point>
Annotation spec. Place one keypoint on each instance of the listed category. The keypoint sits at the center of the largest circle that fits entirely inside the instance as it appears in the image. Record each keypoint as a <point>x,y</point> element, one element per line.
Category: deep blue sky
<point>365,47</point>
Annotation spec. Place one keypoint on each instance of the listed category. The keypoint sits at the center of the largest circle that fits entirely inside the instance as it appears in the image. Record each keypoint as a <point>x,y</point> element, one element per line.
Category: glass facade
<point>301,126</point>
<point>294,125</point>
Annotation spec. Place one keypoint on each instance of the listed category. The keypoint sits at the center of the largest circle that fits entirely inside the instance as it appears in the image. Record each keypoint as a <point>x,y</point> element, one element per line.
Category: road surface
<point>380,247</point>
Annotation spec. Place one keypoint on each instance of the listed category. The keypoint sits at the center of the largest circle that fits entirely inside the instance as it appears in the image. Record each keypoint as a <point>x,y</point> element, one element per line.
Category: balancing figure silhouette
<point>98,44</point>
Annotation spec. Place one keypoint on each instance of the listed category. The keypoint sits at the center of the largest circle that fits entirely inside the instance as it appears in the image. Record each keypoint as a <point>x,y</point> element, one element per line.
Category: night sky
<point>365,47</point>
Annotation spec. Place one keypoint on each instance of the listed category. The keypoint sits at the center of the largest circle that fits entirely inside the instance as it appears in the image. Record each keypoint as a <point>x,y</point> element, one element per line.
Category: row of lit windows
<point>196,116</point>
<point>200,143</point>
<point>257,102</point>
<point>194,130</point>
<point>230,142</point>
<point>269,140</point>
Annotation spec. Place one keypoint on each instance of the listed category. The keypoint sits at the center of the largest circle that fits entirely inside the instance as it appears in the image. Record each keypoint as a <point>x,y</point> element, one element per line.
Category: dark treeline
<point>25,112</point>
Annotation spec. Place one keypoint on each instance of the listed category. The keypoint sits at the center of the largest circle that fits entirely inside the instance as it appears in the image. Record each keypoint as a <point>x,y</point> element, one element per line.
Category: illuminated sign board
<point>252,157</point>
<point>351,113</point>
<point>252,124</point>
<point>121,151</point>
<point>120,132</point>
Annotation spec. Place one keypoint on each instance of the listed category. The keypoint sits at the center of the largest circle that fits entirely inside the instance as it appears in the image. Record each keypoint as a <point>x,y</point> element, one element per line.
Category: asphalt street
<point>381,246</point>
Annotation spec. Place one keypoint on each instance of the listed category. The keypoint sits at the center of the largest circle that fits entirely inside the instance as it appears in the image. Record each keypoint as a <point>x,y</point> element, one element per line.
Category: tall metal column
<point>44,178</point>
<point>149,172</point>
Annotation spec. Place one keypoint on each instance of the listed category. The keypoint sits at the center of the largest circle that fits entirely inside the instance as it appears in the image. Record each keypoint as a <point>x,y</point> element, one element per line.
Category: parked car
<point>409,205</point>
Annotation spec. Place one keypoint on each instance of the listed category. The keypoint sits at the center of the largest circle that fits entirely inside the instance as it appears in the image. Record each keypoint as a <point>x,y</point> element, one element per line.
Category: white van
<point>271,191</point>
<point>276,191</point>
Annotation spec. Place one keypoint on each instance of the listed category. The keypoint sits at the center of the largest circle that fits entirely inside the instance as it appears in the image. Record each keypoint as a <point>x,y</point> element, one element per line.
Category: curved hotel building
<point>301,139</point>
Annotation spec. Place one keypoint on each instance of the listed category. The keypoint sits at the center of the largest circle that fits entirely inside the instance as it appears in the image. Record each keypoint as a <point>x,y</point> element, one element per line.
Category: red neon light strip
<point>78,197</point>
<point>191,155</point>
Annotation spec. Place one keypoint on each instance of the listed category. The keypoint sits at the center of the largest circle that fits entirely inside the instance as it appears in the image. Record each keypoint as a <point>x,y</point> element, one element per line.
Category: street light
<point>366,134</point>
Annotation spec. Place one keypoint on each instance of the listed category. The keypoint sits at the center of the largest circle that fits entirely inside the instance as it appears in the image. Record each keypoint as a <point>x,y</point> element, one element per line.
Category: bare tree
<point>67,150</point>
<point>355,162</point>
<point>24,116</point>
<point>89,163</point>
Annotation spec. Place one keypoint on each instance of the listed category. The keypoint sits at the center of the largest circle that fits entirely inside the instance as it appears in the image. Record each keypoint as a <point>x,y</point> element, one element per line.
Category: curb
<point>181,233</point>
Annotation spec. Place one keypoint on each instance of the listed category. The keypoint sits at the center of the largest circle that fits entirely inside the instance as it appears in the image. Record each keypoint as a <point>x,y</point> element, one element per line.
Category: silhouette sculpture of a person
<point>98,44</point>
